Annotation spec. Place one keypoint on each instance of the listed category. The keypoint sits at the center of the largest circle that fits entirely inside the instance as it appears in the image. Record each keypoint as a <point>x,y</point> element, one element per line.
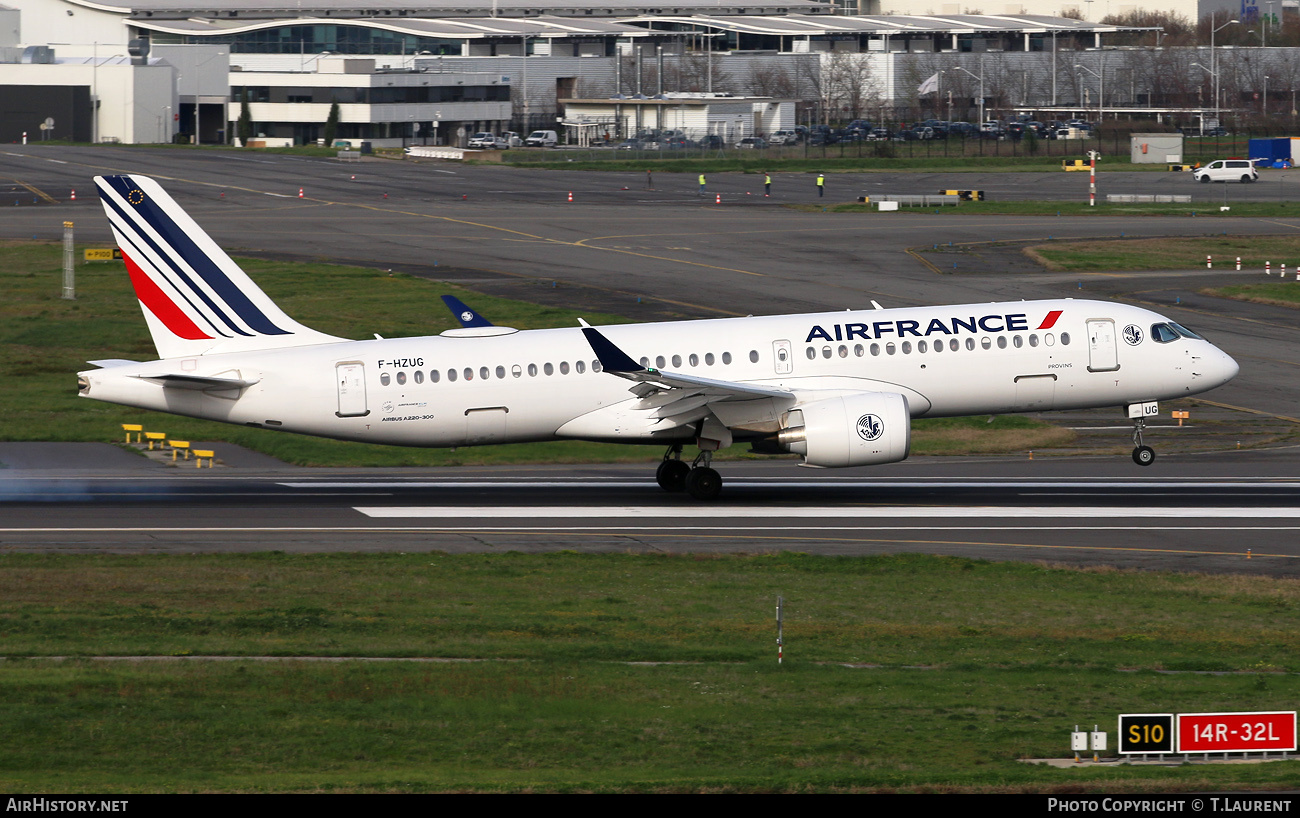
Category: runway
<point>1239,515</point>
<point>664,253</point>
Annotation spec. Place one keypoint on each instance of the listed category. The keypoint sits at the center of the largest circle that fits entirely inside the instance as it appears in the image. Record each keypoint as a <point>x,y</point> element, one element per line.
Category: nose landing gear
<point>1142,455</point>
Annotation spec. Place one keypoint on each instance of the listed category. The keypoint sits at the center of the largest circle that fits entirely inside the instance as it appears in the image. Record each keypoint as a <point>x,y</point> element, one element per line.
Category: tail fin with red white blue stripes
<point>195,299</point>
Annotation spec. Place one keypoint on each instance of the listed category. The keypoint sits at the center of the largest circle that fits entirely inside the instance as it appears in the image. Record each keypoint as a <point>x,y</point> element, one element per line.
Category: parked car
<point>752,143</point>
<point>1227,170</point>
<point>784,138</point>
<point>879,135</point>
<point>542,139</point>
<point>483,139</point>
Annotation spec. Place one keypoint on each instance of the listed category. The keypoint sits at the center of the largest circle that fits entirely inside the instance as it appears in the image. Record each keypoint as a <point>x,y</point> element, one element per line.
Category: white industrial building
<point>842,59</point>
<point>694,115</point>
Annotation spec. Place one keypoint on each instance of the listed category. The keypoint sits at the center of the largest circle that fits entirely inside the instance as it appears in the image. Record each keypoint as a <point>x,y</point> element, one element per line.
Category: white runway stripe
<point>862,512</point>
<point>1037,485</point>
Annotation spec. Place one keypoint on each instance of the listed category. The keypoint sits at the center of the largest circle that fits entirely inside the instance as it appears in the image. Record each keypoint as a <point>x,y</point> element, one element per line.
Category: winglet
<point>466,316</point>
<point>612,359</point>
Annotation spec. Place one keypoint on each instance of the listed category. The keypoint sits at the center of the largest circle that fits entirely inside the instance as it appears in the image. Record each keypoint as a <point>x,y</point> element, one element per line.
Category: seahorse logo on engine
<point>870,427</point>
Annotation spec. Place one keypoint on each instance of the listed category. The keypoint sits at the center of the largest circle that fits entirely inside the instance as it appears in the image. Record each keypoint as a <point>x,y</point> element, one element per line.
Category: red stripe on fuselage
<point>1050,320</point>
<point>163,308</point>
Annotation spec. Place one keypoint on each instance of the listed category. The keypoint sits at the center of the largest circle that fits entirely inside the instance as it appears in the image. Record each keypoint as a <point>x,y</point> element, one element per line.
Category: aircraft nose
<point>1226,368</point>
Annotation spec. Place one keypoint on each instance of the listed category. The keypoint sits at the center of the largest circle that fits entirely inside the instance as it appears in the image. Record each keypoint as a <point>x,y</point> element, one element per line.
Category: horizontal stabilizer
<point>198,382</point>
<point>466,316</point>
<point>109,363</point>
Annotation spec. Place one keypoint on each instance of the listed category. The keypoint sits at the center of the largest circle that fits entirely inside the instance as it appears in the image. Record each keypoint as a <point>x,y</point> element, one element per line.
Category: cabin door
<point>1102,354</point>
<point>350,377</point>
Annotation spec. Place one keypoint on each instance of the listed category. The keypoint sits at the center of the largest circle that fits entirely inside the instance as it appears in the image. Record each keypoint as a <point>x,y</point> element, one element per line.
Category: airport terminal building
<point>434,71</point>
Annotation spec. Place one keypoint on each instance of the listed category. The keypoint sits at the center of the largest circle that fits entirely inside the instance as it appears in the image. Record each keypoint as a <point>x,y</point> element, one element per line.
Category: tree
<point>332,125</point>
<point>245,126</point>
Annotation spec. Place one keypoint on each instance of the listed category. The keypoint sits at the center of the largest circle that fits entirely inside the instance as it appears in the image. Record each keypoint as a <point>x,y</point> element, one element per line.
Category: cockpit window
<point>1163,333</point>
<point>1185,332</point>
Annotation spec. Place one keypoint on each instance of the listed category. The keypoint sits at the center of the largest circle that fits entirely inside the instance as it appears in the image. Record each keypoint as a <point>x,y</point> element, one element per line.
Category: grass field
<point>1277,292</point>
<point>1257,210</point>
<point>618,673</point>
<point>1173,253</point>
<point>46,340</point>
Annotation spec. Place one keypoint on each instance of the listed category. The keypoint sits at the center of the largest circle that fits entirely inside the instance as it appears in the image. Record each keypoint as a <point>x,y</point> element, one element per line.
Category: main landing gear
<point>1142,455</point>
<point>697,479</point>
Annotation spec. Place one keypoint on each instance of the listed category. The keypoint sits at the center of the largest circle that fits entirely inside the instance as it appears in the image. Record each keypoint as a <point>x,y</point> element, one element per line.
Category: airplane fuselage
<point>497,386</point>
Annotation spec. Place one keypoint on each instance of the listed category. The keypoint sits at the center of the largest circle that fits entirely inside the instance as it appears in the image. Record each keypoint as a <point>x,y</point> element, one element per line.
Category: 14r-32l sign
<point>1236,732</point>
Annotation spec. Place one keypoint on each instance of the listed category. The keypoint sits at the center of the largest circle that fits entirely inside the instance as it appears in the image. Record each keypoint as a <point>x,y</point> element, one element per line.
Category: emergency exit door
<point>782,357</point>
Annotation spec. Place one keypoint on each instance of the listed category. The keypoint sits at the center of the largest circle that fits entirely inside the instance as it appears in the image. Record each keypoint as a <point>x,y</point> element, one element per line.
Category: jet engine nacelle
<point>855,430</point>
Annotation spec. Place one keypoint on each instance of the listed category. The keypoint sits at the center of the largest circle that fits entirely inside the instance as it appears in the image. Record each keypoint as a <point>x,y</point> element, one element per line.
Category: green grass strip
<point>902,673</point>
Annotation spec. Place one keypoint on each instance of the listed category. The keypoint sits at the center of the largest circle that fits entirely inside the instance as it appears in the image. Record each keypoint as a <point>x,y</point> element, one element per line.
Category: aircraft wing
<point>680,398</point>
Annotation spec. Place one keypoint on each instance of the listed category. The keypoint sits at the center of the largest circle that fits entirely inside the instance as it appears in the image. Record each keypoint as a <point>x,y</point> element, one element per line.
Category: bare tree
<point>848,84</point>
<point>768,79</point>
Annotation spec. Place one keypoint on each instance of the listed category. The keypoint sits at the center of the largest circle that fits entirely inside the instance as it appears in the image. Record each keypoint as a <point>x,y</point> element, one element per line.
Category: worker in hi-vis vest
<point>821,185</point>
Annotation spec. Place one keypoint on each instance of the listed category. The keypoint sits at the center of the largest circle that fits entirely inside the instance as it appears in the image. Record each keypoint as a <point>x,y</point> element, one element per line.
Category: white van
<point>1227,170</point>
<point>541,139</point>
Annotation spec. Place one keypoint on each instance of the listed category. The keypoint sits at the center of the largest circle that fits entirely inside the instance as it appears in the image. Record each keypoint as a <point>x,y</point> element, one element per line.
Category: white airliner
<point>838,388</point>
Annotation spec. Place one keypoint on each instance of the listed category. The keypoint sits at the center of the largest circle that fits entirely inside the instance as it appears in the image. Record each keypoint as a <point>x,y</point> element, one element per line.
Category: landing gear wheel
<point>671,475</point>
<point>703,483</point>
<point>1144,455</point>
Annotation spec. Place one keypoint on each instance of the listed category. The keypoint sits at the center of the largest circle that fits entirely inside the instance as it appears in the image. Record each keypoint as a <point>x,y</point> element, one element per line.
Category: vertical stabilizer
<point>195,299</point>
